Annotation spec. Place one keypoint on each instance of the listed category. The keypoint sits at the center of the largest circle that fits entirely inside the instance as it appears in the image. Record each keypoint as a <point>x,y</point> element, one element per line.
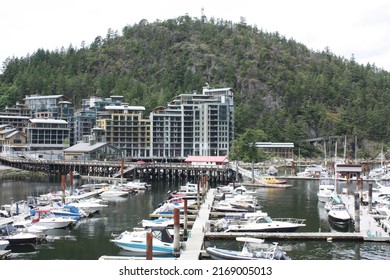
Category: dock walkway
<point>369,227</point>
<point>194,243</point>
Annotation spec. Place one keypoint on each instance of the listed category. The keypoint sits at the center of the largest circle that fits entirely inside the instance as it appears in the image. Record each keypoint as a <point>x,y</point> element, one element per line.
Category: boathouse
<point>207,160</point>
<point>92,151</point>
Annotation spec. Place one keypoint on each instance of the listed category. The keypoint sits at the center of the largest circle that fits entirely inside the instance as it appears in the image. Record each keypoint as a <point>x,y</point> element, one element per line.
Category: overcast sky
<point>348,28</point>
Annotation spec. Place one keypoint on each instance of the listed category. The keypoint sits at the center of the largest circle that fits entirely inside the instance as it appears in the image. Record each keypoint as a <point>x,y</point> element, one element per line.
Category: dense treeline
<point>284,91</point>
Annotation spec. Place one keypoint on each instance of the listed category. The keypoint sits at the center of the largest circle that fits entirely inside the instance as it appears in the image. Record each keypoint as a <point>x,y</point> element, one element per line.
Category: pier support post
<point>357,212</point>
<point>369,198</point>
<point>185,218</point>
<point>176,232</point>
<point>63,186</point>
<point>149,246</point>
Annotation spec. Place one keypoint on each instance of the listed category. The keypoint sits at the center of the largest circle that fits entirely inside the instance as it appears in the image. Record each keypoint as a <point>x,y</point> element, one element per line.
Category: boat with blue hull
<point>136,241</point>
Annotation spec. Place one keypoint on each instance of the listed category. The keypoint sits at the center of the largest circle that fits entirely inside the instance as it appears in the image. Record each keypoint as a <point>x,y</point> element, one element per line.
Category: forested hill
<point>283,88</point>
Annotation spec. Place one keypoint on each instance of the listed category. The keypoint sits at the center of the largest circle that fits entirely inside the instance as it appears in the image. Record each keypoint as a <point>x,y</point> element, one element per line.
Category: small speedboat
<point>135,241</point>
<point>44,217</point>
<point>16,237</point>
<point>338,215</point>
<point>325,190</point>
<point>253,249</point>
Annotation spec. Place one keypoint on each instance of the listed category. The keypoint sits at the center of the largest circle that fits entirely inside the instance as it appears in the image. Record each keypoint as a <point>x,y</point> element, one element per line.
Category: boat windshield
<point>263,220</point>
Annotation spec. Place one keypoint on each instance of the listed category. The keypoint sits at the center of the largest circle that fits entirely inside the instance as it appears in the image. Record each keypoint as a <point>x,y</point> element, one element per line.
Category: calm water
<point>90,238</point>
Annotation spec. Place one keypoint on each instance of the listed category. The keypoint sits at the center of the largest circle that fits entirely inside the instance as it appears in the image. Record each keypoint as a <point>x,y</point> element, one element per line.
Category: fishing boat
<point>253,249</point>
<point>135,241</point>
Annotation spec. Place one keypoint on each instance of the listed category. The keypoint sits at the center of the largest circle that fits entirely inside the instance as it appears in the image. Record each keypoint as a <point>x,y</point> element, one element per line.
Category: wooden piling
<point>357,212</point>
<point>63,186</point>
<point>185,218</point>
<point>149,246</point>
<point>176,232</point>
<point>369,197</point>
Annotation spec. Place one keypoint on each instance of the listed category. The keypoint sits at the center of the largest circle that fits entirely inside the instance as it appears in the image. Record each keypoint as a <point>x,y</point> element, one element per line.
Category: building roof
<point>7,131</point>
<point>274,145</point>
<point>217,159</point>
<point>48,121</point>
<point>42,96</point>
<point>125,107</point>
<point>85,147</point>
<point>12,134</point>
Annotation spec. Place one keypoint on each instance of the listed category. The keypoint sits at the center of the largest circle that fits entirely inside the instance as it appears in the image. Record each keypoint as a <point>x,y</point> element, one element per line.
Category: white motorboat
<point>3,244</point>
<point>90,206</point>
<point>44,217</point>
<point>28,226</point>
<point>17,237</point>
<point>136,241</point>
<point>253,249</point>
<point>137,185</point>
<point>325,190</point>
<point>189,187</point>
<point>266,224</point>
<point>114,191</point>
<point>160,222</point>
<point>338,215</point>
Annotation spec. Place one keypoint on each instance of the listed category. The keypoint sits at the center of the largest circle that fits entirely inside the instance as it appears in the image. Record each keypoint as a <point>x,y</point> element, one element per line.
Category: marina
<point>127,213</point>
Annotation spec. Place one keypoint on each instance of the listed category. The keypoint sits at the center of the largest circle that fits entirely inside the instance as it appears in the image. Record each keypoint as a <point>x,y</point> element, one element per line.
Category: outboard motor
<point>280,255</point>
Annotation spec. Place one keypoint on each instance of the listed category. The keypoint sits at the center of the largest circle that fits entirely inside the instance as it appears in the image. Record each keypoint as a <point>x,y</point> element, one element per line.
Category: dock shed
<point>207,160</point>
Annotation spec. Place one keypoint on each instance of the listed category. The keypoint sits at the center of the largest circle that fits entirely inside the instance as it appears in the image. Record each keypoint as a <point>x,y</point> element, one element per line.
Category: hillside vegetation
<point>285,91</point>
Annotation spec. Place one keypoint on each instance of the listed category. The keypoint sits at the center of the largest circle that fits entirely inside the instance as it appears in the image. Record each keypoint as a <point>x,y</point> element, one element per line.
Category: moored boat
<point>136,241</point>
<point>253,249</point>
<point>267,224</point>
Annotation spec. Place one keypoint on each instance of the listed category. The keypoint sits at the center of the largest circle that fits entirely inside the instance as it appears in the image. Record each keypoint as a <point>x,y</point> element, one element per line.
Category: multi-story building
<point>51,134</point>
<point>194,124</point>
<point>126,129</point>
<point>56,107</point>
<point>18,122</point>
<point>12,140</point>
<point>85,119</point>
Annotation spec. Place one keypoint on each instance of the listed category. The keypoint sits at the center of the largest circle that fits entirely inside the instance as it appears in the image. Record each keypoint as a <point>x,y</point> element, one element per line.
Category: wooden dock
<point>194,243</point>
<point>369,228</point>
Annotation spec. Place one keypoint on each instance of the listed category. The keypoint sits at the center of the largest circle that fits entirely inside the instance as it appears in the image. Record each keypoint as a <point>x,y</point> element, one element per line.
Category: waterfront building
<point>85,119</point>
<point>194,124</point>
<point>16,121</point>
<point>12,141</point>
<point>47,134</point>
<point>92,150</point>
<point>18,110</point>
<point>207,160</point>
<point>126,129</point>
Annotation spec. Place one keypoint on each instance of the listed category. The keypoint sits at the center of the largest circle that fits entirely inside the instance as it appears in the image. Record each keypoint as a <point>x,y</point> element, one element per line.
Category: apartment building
<point>194,124</point>
<point>126,129</point>
<point>48,134</point>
